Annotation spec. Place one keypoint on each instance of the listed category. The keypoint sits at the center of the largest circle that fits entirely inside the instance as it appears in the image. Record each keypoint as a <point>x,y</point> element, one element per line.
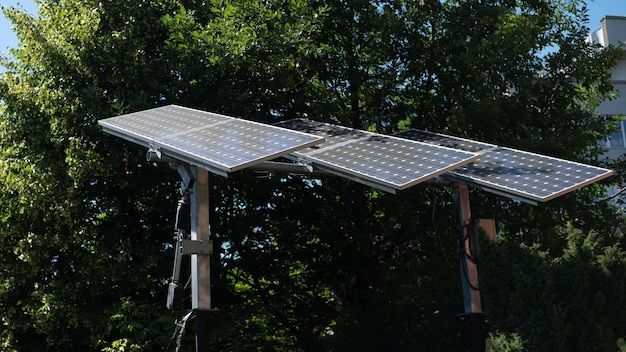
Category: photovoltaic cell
<point>381,161</point>
<point>512,172</point>
<point>219,143</point>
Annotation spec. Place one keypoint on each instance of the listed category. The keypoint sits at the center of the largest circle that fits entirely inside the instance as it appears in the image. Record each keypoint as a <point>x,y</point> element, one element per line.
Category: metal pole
<point>200,264</point>
<point>469,271</point>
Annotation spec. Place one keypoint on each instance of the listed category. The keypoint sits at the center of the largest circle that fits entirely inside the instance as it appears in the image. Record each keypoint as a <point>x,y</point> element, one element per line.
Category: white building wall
<point>613,32</point>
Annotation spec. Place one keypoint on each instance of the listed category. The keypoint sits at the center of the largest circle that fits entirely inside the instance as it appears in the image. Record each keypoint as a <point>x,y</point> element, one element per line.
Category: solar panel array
<point>219,143</point>
<point>224,144</point>
<point>381,161</point>
<point>512,172</point>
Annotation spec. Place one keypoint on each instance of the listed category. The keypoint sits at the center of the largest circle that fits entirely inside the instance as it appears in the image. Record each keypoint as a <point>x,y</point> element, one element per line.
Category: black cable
<point>461,239</point>
<point>466,274</point>
<point>470,238</point>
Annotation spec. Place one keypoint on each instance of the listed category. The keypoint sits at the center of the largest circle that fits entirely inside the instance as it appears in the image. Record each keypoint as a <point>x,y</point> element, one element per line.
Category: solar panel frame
<point>219,143</point>
<point>381,161</point>
<point>514,173</point>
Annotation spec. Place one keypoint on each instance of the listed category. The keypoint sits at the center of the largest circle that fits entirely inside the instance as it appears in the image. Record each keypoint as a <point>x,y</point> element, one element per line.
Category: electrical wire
<point>179,330</point>
<point>617,193</point>
<point>188,282</point>
<point>463,238</point>
<point>466,273</point>
<point>595,204</point>
<point>470,239</point>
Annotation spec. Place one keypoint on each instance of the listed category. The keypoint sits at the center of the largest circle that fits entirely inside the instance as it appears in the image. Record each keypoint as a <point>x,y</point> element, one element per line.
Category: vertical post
<point>473,314</point>
<point>200,264</point>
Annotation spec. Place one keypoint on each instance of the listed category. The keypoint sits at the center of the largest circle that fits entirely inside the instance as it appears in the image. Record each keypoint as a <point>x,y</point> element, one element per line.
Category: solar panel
<point>514,173</point>
<point>219,143</point>
<point>381,161</point>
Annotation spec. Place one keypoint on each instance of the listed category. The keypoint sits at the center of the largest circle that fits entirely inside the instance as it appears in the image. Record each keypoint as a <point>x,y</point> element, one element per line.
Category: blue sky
<point>597,10</point>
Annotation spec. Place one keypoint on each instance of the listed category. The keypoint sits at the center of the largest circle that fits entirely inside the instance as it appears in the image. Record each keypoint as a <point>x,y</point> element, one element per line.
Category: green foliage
<point>137,327</point>
<point>505,343</point>
<point>73,242</point>
<point>558,301</point>
<point>85,221</point>
<point>333,279</point>
<point>621,344</point>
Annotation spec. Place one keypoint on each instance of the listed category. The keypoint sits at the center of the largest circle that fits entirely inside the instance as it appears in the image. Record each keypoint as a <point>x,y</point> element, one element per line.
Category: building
<point>613,32</point>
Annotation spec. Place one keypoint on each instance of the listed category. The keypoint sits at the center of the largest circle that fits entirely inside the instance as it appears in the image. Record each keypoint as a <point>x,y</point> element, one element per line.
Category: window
<point>617,139</point>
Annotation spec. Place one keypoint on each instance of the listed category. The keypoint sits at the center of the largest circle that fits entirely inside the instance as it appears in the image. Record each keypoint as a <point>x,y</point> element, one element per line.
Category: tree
<point>538,93</point>
<point>569,292</point>
<point>75,245</point>
<point>302,264</point>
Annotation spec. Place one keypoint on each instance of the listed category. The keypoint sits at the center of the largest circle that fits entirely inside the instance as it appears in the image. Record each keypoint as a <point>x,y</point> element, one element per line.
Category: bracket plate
<point>200,247</point>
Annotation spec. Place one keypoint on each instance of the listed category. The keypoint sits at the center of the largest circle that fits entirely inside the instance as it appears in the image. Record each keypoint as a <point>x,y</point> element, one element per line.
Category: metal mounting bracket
<point>154,152</point>
<point>187,177</point>
<point>199,247</point>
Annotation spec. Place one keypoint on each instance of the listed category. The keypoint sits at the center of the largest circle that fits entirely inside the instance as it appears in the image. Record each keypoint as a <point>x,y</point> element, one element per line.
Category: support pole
<point>200,263</point>
<point>469,271</point>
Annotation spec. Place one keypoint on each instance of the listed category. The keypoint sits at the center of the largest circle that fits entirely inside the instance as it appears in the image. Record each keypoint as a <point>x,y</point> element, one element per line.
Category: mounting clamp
<point>199,247</point>
<point>153,153</point>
